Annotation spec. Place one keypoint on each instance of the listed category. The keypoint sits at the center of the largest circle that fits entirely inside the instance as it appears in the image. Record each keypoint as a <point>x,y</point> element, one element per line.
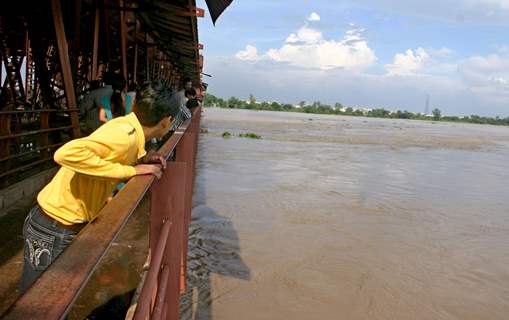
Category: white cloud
<point>306,35</point>
<point>489,74</point>
<point>314,17</point>
<point>250,53</point>
<point>409,62</point>
<point>443,52</point>
<point>423,61</point>
<point>309,49</point>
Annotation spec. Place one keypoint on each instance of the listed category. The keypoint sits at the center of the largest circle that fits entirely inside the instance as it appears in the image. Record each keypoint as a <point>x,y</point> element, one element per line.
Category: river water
<point>330,217</point>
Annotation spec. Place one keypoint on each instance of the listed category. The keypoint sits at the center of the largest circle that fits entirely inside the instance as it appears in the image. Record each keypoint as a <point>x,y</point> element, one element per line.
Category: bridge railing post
<point>186,152</point>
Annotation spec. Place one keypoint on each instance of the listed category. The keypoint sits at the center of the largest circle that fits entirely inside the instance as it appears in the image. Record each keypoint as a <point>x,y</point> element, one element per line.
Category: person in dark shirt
<point>89,105</point>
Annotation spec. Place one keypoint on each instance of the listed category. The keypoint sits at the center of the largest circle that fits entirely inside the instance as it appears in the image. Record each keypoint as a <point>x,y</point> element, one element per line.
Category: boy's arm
<point>88,156</point>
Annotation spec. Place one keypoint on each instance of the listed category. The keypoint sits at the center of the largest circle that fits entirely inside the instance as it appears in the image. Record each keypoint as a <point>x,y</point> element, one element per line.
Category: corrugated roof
<point>174,27</point>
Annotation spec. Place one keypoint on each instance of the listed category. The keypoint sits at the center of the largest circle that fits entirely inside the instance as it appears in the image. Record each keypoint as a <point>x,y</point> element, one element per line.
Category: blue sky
<point>364,53</point>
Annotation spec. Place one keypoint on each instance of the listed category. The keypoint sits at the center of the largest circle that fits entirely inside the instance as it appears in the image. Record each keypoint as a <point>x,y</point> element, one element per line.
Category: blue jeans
<point>45,239</point>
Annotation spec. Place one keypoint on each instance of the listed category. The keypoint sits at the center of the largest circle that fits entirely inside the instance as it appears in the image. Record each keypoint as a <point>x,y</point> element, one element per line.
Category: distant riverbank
<point>339,109</point>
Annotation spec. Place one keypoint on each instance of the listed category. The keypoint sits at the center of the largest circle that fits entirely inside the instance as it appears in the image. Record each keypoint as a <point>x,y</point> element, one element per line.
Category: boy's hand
<point>154,157</point>
<point>153,169</point>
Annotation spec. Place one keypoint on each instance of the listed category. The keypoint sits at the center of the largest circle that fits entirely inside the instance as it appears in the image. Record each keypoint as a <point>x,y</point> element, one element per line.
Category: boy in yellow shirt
<point>91,168</point>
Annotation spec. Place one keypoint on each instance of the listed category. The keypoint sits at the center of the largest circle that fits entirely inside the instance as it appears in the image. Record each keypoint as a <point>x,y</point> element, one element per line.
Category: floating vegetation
<point>226,134</point>
<point>250,136</point>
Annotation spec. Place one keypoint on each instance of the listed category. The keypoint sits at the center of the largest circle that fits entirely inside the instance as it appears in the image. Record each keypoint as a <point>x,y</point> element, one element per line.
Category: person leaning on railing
<point>183,114</point>
<point>91,167</point>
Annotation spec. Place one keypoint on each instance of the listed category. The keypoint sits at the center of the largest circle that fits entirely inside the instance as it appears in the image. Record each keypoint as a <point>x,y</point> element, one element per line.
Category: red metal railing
<point>53,294</point>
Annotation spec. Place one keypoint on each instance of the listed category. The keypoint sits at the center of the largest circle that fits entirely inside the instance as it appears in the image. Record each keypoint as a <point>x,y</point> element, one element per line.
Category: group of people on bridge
<point>115,97</point>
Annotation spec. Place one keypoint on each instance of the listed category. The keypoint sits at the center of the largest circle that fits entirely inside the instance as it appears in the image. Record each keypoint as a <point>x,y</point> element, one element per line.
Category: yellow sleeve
<point>97,156</point>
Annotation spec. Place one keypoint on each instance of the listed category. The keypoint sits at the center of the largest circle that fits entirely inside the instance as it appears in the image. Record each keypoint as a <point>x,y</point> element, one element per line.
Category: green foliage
<point>226,135</point>
<point>437,114</point>
<point>318,108</point>
<point>250,136</point>
<point>252,99</point>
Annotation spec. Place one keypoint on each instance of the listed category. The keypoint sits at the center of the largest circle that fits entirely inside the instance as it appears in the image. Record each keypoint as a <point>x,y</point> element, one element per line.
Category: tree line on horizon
<point>338,109</point>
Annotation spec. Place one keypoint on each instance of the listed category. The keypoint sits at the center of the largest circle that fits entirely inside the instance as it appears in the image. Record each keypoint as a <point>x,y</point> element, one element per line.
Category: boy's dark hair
<point>107,77</point>
<point>192,103</point>
<point>186,80</point>
<point>190,92</point>
<point>132,86</point>
<point>94,84</point>
<point>154,101</point>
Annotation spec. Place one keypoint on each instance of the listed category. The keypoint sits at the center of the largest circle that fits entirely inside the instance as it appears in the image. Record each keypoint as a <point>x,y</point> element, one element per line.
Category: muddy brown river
<point>330,217</point>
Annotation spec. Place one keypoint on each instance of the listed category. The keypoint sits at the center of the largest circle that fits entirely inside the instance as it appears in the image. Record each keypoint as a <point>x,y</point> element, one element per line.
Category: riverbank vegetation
<point>248,135</point>
<point>339,109</point>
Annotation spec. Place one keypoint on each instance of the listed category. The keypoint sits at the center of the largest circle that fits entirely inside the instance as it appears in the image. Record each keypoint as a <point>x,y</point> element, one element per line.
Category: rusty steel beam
<point>44,137</point>
<point>123,40</point>
<point>161,294</point>
<point>5,129</point>
<point>135,68</point>
<point>147,59</point>
<point>35,111</point>
<point>65,64</point>
<point>25,167</point>
<point>45,147</point>
<point>95,49</point>
<point>77,26</point>
<point>151,284</point>
<point>194,26</point>
<point>76,41</point>
<point>31,133</point>
<point>107,30</point>
<point>27,64</point>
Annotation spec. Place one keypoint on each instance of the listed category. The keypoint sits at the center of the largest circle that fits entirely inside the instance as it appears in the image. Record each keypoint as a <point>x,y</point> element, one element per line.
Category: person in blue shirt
<point>119,103</point>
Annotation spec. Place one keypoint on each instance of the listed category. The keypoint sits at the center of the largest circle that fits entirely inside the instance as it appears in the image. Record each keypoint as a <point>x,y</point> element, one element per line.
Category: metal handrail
<point>53,294</point>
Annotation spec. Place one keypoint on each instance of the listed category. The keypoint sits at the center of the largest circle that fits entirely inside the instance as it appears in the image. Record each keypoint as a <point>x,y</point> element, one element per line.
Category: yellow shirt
<point>91,168</point>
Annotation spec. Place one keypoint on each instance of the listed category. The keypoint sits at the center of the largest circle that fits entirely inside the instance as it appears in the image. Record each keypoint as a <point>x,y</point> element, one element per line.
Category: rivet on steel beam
<point>200,13</point>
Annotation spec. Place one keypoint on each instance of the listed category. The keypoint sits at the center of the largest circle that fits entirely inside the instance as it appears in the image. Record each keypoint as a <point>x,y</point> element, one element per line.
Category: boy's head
<point>132,86</point>
<point>94,84</point>
<point>192,103</point>
<point>118,82</point>
<point>156,104</point>
<point>108,77</point>
<point>190,93</point>
<point>188,83</point>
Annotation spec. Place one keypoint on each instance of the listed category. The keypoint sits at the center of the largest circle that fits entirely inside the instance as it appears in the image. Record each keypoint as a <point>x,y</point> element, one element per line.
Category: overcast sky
<point>363,53</point>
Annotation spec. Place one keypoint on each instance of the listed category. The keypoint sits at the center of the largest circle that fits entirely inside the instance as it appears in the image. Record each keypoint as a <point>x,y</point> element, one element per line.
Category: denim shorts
<point>44,240</point>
